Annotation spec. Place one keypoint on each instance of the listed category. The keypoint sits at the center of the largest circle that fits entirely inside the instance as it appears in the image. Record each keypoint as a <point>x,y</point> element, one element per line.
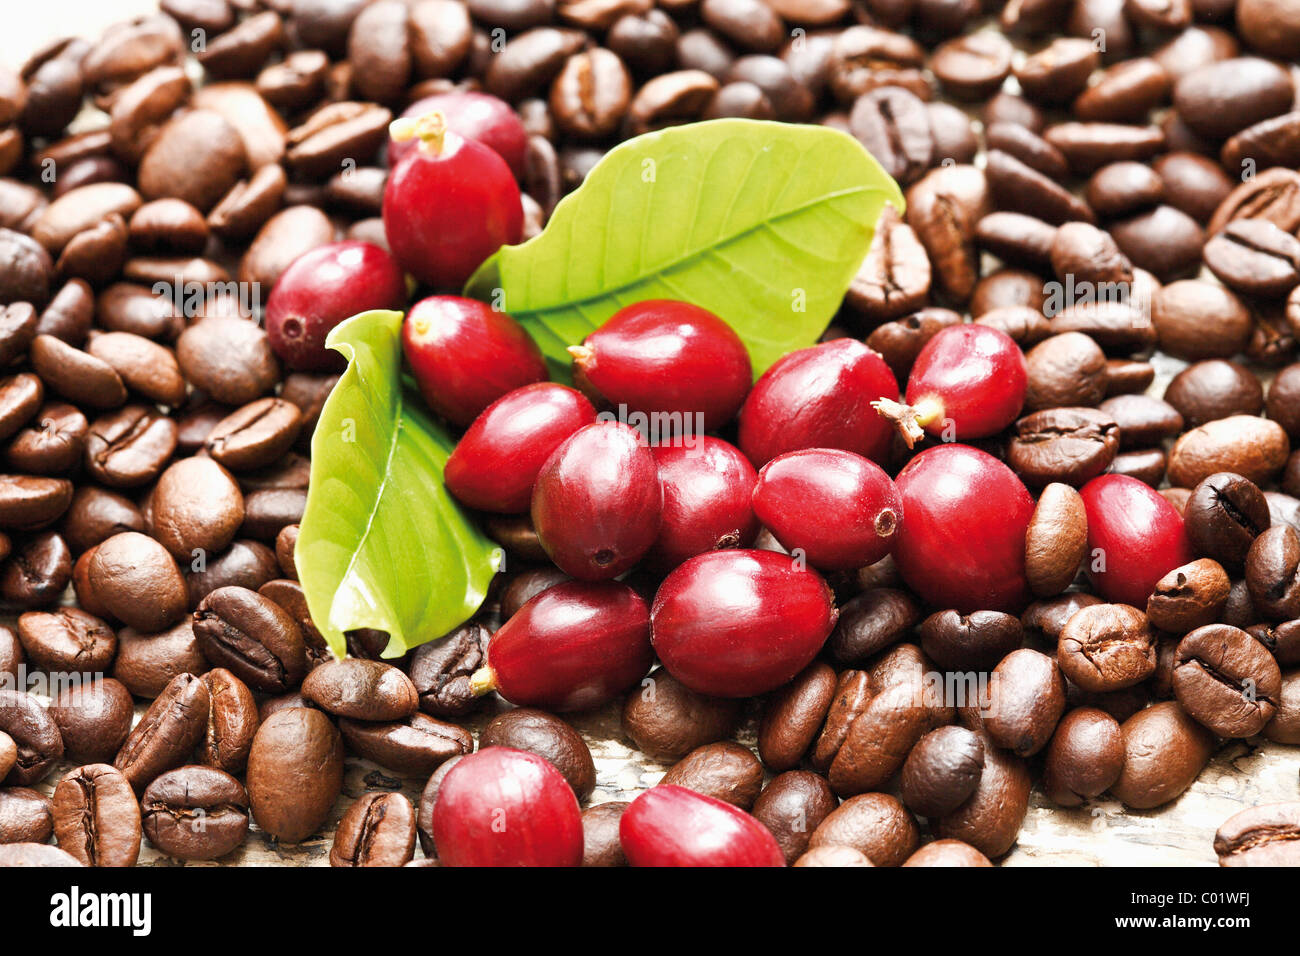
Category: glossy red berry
<point>819,397</point>
<point>574,646</point>
<point>740,623</point>
<point>465,355</point>
<point>495,463</point>
<point>962,540</point>
<point>1135,537</point>
<point>596,502</point>
<point>506,807</point>
<point>840,509</point>
<point>319,290</point>
<point>448,205</point>
<point>473,115</point>
<point>707,486</point>
<point>967,382</point>
<point>672,826</point>
<point>670,358</point>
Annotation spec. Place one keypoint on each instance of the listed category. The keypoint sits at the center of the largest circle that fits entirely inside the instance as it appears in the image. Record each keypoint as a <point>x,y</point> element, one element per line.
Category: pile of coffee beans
<point>1110,594</point>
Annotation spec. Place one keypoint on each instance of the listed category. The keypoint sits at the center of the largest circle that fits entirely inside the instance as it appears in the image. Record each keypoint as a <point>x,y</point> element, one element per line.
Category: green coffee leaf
<point>382,544</point>
<point>763,224</point>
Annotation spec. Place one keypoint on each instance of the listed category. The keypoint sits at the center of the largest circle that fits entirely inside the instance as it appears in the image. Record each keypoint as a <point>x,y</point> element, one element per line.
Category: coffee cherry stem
<point>483,681</point>
<point>430,129</point>
<point>910,420</point>
<point>582,354</point>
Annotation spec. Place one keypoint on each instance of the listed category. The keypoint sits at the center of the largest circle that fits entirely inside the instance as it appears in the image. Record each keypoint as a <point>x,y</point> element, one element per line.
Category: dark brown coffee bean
<point>285,544</point>
<point>248,564</point>
<point>954,136</point>
<point>1017,238</point>
<point>601,844</point>
<point>792,807</point>
<point>1255,257</point>
<point>894,279</point>
<point>591,94</point>
<point>1089,146</point>
<point>550,738</point>
<point>943,209</point>
<point>146,663</point>
<point>670,99</point>
<point>1219,99</point>
<point>1143,421</point>
<point>1107,647</point>
<point>232,722</point>
<point>725,771</point>
<point>1226,680</point>
<point>52,444</point>
<point>35,734</point>
<point>167,733</point>
<point>441,670</point>
<point>145,367</point>
<point>26,816</point>
<point>875,824</point>
<point>1058,72</point>
<point>18,326</point>
<point>414,746</point>
<point>77,376</point>
<point>1124,93</point>
<point>1165,750</point>
<point>1056,540</point>
<point>428,798</point>
<point>37,573</point>
<point>1018,187</point>
<point>1223,517</point>
<point>1065,370</point>
<point>137,582</point>
<point>129,447</point>
<point>901,341</point>
<point>1084,758</point>
<point>365,690</point>
<point>1068,445</point>
<point>256,435</point>
<point>67,640</point>
<point>972,67</point>
<point>942,771</point>
<point>864,58</point>
<point>529,61</point>
<point>879,739</point>
<point>1254,448</point>
<point>20,399</point>
<point>29,502</point>
<point>96,817</point>
<point>268,510</point>
<point>197,508</point>
<point>895,128</point>
<point>295,773</point>
<point>794,715</point>
<point>1271,565</point>
<point>871,622</point>
<point>1189,597</point>
<point>975,641</point>
<point>251,636</point>
<point>1211,390</point>
<point>1265,835</point>
<point>377,830</point>
<point>195,813</point>
<point>94,719</point>
<point>666,720</point>
<point>1026,699</point>
<point>1273,195</point>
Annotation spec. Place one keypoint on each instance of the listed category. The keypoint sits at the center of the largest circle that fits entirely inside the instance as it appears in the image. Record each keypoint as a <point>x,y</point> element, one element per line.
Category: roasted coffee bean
<point>943,208</point>
<point>1056,540</point>
<point>441,670</point>
<point>976,641</point>
<point>365,690</point>
<point>195,813</point>
<point>197,508</point>
<point>67,640</point>
<point>601,844</point>
<point>1089,146</point>
<point>377,830</point>
<point>1219,99</point>
<point>251,636</point>
<point>794,715</point>
<point>529,61</point>
<point>1270,142</point>
<point>792,807</point>
<point>129,447</point>
<point>136,580</point>
<point>39,743</point>
<point>1165,750</point>
<point>1273,196</point>
<point>1283,402</point>
<point>942,771</point>
<point>77,376</point>
<point>1143,421</point>
<point>167,733</point>
<point>414,746</point>
<point>20,398</point>
<point>1017,238</point>
<point>1271,565</point>
<point>894,279</point>
<point>285,544</point>
<point>1128,377</point>
<point>1226,680</point>
<point>144,366</point>
<point>1068,445</point>
<point>18,327</point>
<point>875,824</point>
<point>146,663</point>
<point>666,720</point>
<point>228,359</point>
<point>1018,187</point>
<point>1255,257</point>
<point>1045,619</point>
<point>52,444</point>
<point>232,722</point>
<point>251,203</point>
<point>256,435</point>
<point>894,126</point>
<point>1211,390</point>
<point>1089,254</point>
<point>901,341</point>
<point>31,502</point>
<point>1267,835</point>
<point>590,96</point>
<point>268,510</point>
<point>871,622</point>
<point>8,754</point>
<point>26,816</point>
<point>725,771</point>
<point>852,694</point>
<point>295,773</point>
<point>37,572</point>
<point>1065,370</point>
<point>1284,728</point>
<point>1254,448</point>
<point>1058,72</point>
<point>247,564</point>
<point>96,817</point>
<point>1084,758</point>
<point>1224,515</point>
<point>1189,597</point>
<point>670,99</point>
<point>1107,647</point>
<point>1147,465</point>
<point>972,67</point>
<point>549,737</point>
<point>991,818</point>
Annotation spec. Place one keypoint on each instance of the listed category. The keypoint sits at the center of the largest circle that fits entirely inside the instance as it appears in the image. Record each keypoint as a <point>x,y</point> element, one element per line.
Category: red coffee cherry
<point>597,501</point>
<point>839,508</point>
<point>449,204</point>
<point>473,115</point>
<point>672,826</point>
<point>707,487</point>
<point>740,623</point>
<point>968,382</point>
<point>962,541</point>
<point>1135,537</point>
<point>574,646</point>
<point>669,358</point>
<point>819,397</point>
<point>465,355</point>
<point>506,807</point>
<point>319,290</point>
<point>495,464</point>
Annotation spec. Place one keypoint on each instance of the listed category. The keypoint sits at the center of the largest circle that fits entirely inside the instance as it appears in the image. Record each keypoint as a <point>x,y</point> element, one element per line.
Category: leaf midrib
<point>612,291</point>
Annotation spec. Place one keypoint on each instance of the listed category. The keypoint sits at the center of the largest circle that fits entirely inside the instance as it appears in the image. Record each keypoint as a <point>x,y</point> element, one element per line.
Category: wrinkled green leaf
<point>763,224</point>
<point>382,543</point>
